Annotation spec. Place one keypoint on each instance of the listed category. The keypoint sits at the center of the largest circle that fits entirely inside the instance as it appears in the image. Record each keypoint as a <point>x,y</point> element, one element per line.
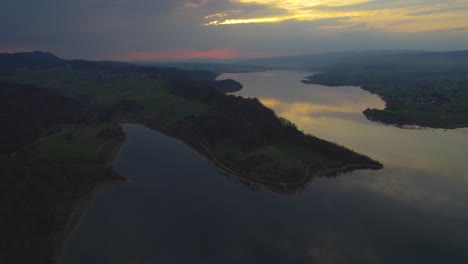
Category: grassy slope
<point>153,95</point>
<point>273,162</point>
<point>81,143</point>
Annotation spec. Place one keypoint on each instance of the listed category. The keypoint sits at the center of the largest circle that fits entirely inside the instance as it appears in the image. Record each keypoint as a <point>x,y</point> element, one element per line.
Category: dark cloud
<point>402,22</point>
<point>452,30</point>
<point>440,10</point>
<point>105,29</point>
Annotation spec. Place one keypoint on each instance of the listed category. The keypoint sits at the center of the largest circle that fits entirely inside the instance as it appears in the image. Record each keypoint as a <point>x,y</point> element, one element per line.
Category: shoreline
<point>276,187</point>
<point>397,123</point>
<point>408,124</point>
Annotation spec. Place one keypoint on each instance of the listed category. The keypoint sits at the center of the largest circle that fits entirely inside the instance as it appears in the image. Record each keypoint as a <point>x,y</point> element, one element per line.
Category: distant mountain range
<point>404,60</point>
<point>396,60</point>
<point>29,59</point>
<point>9,62</point>
<point>393,60</point>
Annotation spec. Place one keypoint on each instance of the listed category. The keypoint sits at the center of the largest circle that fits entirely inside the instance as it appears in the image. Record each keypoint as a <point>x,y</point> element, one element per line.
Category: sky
<point>147,30</point>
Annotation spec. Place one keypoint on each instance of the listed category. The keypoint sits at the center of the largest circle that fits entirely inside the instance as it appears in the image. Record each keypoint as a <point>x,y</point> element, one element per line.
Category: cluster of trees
<point>205,89</point>
<point>27,111</point>
<point>246,120</point>
<point>250,124</point>
<point>37,218</point>
<point>121,71</point>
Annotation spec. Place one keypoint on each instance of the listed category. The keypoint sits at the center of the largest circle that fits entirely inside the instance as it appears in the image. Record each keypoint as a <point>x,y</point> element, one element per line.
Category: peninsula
<point>240,136</point>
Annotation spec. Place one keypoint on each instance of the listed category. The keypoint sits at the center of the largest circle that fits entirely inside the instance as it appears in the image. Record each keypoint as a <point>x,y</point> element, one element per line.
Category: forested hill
<point>10,62</point>
<point>29,59</point>
<point>26,111</point>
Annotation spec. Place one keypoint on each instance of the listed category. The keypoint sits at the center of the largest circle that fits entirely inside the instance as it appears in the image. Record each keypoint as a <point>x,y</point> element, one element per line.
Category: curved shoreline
<point>407,124</point>
<point>397,123</point>
<point>277,187</point>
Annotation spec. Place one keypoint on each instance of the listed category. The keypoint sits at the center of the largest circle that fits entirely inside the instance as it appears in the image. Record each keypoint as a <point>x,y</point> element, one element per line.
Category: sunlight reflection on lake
<point>335,114</point>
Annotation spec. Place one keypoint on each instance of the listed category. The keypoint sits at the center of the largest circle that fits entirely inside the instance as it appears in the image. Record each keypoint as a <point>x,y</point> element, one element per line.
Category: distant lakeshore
<point>434,110</point>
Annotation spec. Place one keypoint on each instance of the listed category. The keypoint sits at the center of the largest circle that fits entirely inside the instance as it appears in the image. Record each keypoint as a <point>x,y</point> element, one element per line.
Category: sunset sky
<point>181,29</point>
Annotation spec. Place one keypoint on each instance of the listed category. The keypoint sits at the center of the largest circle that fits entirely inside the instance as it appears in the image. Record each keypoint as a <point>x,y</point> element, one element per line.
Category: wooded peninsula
<point>85,100</point>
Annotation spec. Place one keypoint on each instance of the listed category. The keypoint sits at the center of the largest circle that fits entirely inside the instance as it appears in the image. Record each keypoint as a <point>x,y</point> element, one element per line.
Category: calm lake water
<point>178,209</point>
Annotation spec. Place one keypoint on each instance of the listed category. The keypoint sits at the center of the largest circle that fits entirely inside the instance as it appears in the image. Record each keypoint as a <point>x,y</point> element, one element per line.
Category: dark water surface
<point>178,209</point>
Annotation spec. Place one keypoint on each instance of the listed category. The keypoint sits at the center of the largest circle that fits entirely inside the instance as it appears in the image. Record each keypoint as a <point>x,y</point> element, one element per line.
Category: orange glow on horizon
<point>192,54</point>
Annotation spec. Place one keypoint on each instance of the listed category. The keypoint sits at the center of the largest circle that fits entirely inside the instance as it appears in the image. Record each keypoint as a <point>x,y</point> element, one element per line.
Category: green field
<point>152,94</point>
<point>82,143</point>
<point>51,77</point>
<point>273,162</point>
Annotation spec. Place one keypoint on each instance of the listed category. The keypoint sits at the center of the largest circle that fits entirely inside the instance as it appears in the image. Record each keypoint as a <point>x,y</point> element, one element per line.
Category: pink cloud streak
<point>191,54</point>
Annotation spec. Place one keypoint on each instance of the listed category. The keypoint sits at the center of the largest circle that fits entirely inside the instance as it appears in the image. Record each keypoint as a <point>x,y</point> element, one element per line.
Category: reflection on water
<point>179,209</point>
<point>335,114</point>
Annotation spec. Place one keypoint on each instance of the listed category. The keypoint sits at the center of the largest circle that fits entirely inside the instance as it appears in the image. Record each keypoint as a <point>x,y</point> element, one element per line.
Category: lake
<point>177,208</point>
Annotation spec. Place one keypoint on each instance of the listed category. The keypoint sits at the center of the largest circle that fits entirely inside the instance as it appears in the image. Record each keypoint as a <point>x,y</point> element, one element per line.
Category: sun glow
<point>408,16</point>
<point>246,21</point>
